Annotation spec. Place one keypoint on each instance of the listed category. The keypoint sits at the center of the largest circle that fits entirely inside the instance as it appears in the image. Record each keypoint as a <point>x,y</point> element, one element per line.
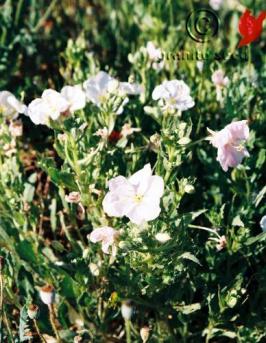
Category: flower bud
<point>221,244</point>
<point>263,223</point>
<point>33,311</point>
<point>155,142</point>
<point>126,310</point>
<point>94,268</point>
<point>162,237</point>
<point>16,128</point>
<point>47,294</point>
<point>77,339</point>
<point>144,333</point>
<point>189,189</point>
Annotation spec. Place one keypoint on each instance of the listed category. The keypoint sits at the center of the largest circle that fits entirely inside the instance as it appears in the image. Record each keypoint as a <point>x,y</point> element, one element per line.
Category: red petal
<point>246,23</point>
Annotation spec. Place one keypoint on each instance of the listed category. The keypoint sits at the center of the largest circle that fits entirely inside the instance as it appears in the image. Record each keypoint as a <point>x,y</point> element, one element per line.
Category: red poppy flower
<point>250,27</point>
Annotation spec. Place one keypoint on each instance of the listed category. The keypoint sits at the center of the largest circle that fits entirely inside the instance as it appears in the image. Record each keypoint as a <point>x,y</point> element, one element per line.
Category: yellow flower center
<point>2,109</point>
<point>103,98</point>
<point>138,198</point>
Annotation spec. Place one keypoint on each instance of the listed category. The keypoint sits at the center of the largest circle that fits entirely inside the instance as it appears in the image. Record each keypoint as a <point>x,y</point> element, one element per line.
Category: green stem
<point>52,321</point>
<point>204,228</point>
<point>8,327</point>
<point>128,330</point>
<point>45,16</point>
<point>1,298</point>
<point>18,11</point>
<point>249,61</point>
<point>38,331</point>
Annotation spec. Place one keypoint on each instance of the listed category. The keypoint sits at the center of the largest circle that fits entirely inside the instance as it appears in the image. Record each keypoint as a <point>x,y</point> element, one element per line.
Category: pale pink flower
<point>155,56</point>
<point>229,142</point>
<point>216,4</point>
<point>137,197</point>
<point>219,79</point>
<point>106,235</point>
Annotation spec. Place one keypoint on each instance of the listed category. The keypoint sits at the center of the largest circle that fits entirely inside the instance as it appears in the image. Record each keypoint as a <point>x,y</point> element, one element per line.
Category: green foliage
<point>183,289</point>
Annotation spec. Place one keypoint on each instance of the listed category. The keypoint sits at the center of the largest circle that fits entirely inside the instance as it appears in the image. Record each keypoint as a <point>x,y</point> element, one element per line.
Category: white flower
<point>127,130</point>
<point>106,235</point>
<point>216,4</point>
<point>137,197</point>
<point>155,56</point>
<point>101,87</point>
<point>162,237</point>
<point>75,97</point>
<point>50,105</point>
<point>263,223</point>
<point>173,95</point>
<point>131,88</point>
<point>10,106</point>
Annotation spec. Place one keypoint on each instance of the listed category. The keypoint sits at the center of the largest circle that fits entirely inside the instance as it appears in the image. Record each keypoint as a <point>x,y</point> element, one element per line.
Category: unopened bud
<point>189,189</point>
<point>162,237</point>
<point>16,128</point>
<point>77,339</point>
<point>33,311</point>
<point>145,333</point>
<point>221,244</point>
<point>94,268</point>
<point>126,310</point>
<point>47,294</point>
